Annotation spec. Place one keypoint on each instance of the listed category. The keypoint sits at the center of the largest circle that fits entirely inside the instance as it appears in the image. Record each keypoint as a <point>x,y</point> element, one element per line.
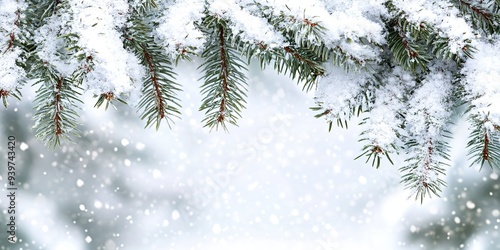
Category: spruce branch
<point>421,41</point>
<point>481,17</point>
<point>58,94</point>
<point>87,66</point>
<point>422,173</point>
<point>310,35</point>
<point>224,82</point>
<point>46,8</point>
<point>430,109</point>
<point>12,35</point>
<point>56,106</point>
<point>439,47</point>
<point>304,49</point>
<point>301,63</point>
<point>159,100</point>
<point>484,141</point>
<point>224,75</point>
<point>409,54</point>
<point>13,43</point>
<point>159,86</point>
<point>384,98</point>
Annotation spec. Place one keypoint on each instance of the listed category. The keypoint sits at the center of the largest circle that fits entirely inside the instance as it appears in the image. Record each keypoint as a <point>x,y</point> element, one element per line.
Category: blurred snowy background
<point>278,181</point>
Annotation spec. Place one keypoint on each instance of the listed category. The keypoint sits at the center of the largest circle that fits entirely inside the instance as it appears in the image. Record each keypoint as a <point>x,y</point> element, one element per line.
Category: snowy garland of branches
<point>410,65</point>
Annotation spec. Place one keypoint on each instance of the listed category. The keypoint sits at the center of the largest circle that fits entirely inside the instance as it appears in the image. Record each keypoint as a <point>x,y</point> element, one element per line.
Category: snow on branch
<point>344,29</point>
<point>339,92</point>
<point>11,74</point>
<point>246,25</point>
<point>427,117</point>
<point>385,113</point>
<point>481,80</point>
<point>443,17</point>
<point>178,27</point>
<point>52,45</point>
<point>97,25</point>
<point>430,106</point>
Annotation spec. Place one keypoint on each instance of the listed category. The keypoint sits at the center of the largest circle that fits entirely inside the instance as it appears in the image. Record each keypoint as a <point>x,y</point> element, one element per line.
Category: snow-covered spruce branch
<point>159,100</point>
<point>410,55</point>
<point>484,14</point>
<point>423,173</point>
<point>12,74</point>
<point>406,66</point>
<point>427,122</point>
<point>383,128</point>
<point>482,90</point>
<point>484,143</point>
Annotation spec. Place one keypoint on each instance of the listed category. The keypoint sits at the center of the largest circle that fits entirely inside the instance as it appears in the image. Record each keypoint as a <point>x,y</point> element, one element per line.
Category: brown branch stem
<point>58,106</point>
<point>224,74</point>
<point>12,36</point>
<point>483,13</point>
<point>411,52</point>
<point>485,154</point>
<point>156,85</point>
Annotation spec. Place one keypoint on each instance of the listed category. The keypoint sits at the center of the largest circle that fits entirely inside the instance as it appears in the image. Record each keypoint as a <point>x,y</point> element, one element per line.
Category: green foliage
<point>484,141</point>
<point>484,15</point>
<point>303,57</point>
<point>415,45</point>
<point>224,84</point>
<point>423,170</point>
<point>375,153</point>
<point>56,107</point>
<point>159,100</point>
<point>58,96</point>
<point>305,53</point>
<point>407,52</point>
